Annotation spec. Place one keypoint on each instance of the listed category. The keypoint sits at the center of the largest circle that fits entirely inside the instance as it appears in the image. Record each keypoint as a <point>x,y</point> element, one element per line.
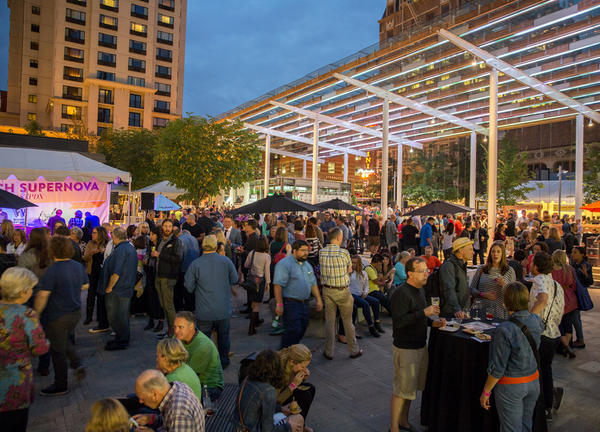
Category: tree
<point>205,157</point>
<point>426,181</point>
<point>513,173</point>
<point>33,128</point>
<point>591,177</point>
<point>132,151</point>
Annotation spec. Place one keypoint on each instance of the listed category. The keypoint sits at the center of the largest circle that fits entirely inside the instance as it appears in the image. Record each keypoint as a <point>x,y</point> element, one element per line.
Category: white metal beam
<point>304,140</point>
<point>290,154</point>
<point>267,164</point>
<point>335,121</point>
<point>578,166</point>
<point>409,103</point>
<point>522,77</point>
<point>315,165</point>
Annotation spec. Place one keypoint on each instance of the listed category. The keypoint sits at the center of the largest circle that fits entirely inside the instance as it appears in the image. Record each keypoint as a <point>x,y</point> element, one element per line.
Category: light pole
<point>560,173</point>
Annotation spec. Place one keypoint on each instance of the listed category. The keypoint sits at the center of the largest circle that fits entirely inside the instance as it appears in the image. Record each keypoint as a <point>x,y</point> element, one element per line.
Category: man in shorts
<point>409,319</point>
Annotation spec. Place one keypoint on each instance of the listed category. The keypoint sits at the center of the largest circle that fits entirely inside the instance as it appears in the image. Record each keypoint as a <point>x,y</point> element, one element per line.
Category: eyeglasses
<point>419,271</point>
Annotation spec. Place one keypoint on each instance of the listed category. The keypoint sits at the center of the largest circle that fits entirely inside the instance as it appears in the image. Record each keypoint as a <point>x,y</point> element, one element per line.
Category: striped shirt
<point>334,263</point>
<point>181,410</point>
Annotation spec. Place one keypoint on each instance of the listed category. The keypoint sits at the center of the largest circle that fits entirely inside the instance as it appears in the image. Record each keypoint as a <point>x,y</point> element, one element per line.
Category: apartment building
<point>96,64</point>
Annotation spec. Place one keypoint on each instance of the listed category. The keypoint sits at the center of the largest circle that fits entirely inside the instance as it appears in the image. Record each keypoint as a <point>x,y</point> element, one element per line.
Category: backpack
<point>280,255</point>
<point>433,285</point>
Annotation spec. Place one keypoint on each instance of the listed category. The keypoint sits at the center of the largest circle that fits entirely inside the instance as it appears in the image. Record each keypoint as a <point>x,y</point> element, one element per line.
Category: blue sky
<point>237,50</point>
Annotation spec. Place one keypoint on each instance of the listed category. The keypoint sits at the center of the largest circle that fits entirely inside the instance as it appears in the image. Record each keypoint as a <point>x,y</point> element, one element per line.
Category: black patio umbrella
<point>337,204</point>
<point>438,207</point>
<point>12,201</point>
<point>275,203</point>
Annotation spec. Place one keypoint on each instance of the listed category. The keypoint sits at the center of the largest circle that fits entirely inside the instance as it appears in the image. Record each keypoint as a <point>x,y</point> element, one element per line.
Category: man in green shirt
<point>203,354</point>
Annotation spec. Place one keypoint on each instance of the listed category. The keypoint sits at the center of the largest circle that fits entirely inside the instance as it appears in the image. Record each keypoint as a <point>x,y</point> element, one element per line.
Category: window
<point>33,81</point>
<point>162,89</point>
<point>165,20</point>
<point>73,74</point>
<point>139,11</point>
<point>109,22</point>
<point>159,122</point>
<point>106,76</point>
<point>71,92</point>
<point>135,100</point>
<point>164,54</point>
<point>31,117</point>
<point>78,2</point>
<point>162,106</point>
<point>104,115</point>
<point>33,64</point>
<point>111,5</point>
<point>74,54</point>
<point>136,81</point>
<point>107,59</point>
<point>77,36</point>
<point>331,167</point>
<point>135,119</point>
<point>163,71</point>
<point>35,10</point>
<point>164,37</point>
<point>75,16</point>
<point>138,29</point>
<point>292,167</point>
<point>105,96</point>
<point>137,46</point>
<point>106,40</point>
<point>35,46</point>
<point>71,112</point>
<point>137,65</point>
<point>35,28</point>
<point>167,4</point>
<point>101,130</point>
<point>32,98</point>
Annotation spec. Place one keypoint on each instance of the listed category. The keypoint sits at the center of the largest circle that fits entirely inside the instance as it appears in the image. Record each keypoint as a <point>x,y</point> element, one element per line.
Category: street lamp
<point>560,173</point>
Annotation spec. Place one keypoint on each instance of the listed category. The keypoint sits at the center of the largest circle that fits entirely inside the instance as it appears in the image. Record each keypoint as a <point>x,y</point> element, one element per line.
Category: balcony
<point>164,24</point>
<point>109,26</point>
<point>78,2</point>
<point>73,59</point>
<point>75,20</point>
<point>164,58</point>
<point>138,33</point>
<point>73,78</point>
<point>136,68</point>
<point>70,38</point>
<point>162,5</point>
<point>107,44</point>
<point>161,110</point>
<point>164,41</point>
<point>162,75</point>
<point>109,8</point>
<point>106,100</point>
<point>107,63</point>
<point>137,50</point>
<point>72,96</point>
<point>139,15</point>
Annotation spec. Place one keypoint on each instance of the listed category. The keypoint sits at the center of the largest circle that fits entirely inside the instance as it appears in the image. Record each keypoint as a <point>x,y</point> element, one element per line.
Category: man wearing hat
<point>454,289</point>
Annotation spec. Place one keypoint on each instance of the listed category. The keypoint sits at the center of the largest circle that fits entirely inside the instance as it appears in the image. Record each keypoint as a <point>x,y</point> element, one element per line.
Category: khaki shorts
<point>373,240</point>
<point>410,371</point>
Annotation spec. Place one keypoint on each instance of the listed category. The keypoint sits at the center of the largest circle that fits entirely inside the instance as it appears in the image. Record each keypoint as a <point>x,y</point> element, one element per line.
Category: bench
<point>224,409</point>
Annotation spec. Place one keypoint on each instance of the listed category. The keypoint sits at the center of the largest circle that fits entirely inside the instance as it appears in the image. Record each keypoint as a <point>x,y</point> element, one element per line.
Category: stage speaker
<point>114,198</point>
<point>147,201</point>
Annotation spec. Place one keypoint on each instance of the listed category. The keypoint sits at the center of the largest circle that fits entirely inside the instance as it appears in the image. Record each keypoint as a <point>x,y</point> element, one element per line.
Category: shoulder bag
<point>249,284</point>
<point>584,301</point>
<point>244,428</point>
<point>280,255</point>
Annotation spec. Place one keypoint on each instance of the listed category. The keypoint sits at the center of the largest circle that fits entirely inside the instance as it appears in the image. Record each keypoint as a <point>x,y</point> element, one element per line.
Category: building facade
<point>96,64</point>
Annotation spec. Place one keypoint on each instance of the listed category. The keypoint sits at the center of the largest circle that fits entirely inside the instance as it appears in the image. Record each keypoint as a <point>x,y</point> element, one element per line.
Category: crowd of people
<point>181,271</point>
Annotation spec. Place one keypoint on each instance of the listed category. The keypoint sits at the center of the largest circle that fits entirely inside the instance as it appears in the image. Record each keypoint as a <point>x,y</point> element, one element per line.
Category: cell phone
<point>133,423</point>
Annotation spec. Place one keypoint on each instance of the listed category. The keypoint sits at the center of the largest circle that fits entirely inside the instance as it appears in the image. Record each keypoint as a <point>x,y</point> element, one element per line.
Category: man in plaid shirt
<point>336,267</point>
<point>180,408</point>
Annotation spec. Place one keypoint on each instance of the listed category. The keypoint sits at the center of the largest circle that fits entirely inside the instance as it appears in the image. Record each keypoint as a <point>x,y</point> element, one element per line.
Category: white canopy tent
<point>164,187</point>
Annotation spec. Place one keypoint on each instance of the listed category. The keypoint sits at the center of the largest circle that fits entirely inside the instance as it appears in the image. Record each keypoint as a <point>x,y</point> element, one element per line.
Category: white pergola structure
<point>422,89</point>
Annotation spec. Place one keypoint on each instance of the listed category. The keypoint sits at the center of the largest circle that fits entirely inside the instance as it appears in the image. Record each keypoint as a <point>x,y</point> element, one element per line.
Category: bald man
<point>180,408</point>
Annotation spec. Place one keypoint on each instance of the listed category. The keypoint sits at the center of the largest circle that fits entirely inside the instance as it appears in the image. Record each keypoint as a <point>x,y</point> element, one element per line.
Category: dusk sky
<point>237,50</point>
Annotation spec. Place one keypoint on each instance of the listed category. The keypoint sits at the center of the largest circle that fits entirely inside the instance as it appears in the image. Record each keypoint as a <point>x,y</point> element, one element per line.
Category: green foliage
<point>432,176</point>
<point>204,157</point>
<point>132,151</point>
<point>591,177</point>
<point>34,128</point>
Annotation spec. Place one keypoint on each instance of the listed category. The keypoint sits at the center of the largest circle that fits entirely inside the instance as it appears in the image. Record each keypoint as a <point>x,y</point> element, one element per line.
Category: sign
<point>68,195</point>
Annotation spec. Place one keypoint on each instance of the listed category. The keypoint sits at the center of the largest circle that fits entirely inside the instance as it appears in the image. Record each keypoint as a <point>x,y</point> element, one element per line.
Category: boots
<point>252,326</point>
<point>150,324</point>
<point>373,332</point>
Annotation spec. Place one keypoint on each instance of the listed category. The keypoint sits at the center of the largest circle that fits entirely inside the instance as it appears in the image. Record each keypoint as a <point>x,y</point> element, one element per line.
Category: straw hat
<point>460,243</point>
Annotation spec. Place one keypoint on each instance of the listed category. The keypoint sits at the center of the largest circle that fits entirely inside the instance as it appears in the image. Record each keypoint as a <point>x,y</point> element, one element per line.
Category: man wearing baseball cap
<point>454,289</point>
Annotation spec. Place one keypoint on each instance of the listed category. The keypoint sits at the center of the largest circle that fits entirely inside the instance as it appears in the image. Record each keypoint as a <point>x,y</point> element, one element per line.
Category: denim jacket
<point>510,352</point>
<point>257,406</point>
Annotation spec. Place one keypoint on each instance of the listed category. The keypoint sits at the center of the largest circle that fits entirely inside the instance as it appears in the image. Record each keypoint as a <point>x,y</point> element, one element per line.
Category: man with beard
<point>294,281</point>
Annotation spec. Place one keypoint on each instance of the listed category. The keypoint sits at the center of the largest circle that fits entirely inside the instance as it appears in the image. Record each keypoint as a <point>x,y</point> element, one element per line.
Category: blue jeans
<point>515,404</point>
<point>383,300</point>
<point>476,253</point>
<point>223,342</point>
<point>577,324</point>
<point>366,304</point>
<point>295,322</point>
<point>117,310</point>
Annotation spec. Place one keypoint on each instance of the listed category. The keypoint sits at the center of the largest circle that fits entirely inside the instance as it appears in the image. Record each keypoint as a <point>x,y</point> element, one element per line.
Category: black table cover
<point>455,377</point>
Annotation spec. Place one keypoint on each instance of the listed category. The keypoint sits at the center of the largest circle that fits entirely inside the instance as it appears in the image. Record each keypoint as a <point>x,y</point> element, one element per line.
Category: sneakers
<point>559,392</point>
<point>98,330</point>
<point>549,414</point>
<point>53,391</point>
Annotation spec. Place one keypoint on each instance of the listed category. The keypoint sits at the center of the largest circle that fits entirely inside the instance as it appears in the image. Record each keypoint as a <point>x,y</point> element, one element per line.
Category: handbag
<point>244,428</point>
<point>584,301</point>
<point>249,284</point>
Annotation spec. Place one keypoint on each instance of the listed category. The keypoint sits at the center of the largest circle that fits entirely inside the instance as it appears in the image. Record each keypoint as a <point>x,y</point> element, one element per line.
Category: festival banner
<point>68,195</point>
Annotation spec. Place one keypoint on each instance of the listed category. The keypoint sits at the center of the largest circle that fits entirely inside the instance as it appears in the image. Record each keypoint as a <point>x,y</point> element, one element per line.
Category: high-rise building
<point>96,64</point>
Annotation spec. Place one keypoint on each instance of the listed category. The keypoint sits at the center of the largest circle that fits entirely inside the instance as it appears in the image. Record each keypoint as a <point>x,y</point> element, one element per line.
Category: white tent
<point>547,191</point>
<point>29,164</point>
<point>164,187</point>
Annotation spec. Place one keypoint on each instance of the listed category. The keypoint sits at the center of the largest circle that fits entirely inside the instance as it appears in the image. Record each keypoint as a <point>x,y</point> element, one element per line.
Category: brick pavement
<point>352,395</point>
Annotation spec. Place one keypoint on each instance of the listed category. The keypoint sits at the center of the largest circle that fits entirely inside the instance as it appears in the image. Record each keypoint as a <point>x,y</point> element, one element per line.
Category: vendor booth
<point>56,180</point>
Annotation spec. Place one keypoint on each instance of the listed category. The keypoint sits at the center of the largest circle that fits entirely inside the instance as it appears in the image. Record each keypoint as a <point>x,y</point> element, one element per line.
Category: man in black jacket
<point>480,237</point>
<point>409,320</point>
<point>170,256</point>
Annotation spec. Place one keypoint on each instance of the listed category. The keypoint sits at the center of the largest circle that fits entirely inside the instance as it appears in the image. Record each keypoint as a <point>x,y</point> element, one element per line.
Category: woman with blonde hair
<point>294,361</point>
<point>564,274</point>
<point>221,239</point>
<point>7,229</point>
<point>108,415</point>
<point>554,241</point>
<point>171,358</point>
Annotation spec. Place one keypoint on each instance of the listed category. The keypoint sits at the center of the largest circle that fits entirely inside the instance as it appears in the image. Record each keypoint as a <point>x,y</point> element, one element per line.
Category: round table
<point>455,377</point>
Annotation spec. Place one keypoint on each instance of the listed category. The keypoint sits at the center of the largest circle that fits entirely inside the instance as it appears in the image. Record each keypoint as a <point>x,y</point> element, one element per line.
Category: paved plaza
<point>352,395</point>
